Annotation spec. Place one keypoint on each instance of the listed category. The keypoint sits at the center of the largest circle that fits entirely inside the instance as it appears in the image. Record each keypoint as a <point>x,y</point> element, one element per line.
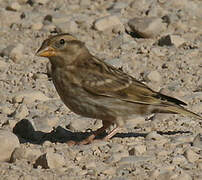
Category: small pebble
<point>16,53</point>
<point>107,22</point>
<point>154,76</point>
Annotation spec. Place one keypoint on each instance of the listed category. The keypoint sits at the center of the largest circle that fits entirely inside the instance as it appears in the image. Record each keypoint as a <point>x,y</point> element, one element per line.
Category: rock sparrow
<point>92,88</point>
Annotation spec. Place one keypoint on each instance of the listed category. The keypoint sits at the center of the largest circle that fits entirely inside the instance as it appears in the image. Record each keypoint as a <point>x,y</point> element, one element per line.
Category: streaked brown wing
<point>105,80</point>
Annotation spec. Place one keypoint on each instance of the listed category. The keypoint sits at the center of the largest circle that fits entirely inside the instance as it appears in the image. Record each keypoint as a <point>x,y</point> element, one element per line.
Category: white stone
<point>107,22</point>
<point>45,123</point>
<point>154,136</point>
<point>177,40</point>
<point>16,53</point>
<point>147,27</point>
<point>135,159</point>
<point>191,155</point>
<point>5,109</point>
<point>197,142</point>
<point>154,76</point>
<point>50,160</point>
<point>79,124</point>
<point>16,6</point>
<point>32,154</point>
<point>21,112</point>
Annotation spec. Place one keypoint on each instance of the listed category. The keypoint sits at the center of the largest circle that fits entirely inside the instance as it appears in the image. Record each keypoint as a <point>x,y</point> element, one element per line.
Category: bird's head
<point>61,49</point>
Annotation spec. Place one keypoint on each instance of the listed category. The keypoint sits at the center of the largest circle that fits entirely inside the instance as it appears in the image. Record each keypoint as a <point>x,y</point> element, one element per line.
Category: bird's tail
<point>177,109</point>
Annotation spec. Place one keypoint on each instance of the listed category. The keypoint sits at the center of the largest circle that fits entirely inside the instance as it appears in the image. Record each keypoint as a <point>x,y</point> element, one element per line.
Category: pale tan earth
<point>158,42</point>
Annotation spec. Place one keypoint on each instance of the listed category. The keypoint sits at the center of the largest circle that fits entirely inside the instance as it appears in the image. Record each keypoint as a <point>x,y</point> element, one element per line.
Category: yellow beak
<point>46,52</point>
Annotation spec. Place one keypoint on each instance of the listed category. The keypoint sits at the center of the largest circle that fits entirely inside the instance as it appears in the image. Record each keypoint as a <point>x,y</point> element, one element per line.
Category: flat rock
<point>29,96</point>
<point>9,142</point>
<point>21,112</point>
<point>147,27</point>
<point>17,154</point>
<point>79,124</point>
<point>197,142</point>
<point>182,139</point>
<point>135,159</point>
<point>45,123</point>
<point>170,40</point>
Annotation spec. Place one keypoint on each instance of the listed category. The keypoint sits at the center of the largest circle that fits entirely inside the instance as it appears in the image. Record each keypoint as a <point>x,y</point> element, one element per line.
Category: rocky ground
<point>159,42</point>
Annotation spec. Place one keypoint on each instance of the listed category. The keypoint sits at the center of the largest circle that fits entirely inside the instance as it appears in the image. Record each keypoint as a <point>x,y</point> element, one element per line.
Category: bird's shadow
<point>26,133</point>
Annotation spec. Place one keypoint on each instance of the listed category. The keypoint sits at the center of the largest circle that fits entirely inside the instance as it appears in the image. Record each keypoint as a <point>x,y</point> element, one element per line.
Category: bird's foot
<point>91,138</point>
<point>111,134</point>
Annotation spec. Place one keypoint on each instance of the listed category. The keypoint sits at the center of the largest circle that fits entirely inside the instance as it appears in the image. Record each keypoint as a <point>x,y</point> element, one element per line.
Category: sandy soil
<point>158,42</point>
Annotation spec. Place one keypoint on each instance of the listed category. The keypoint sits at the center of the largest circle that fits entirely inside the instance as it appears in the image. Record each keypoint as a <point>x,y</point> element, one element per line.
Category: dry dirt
<point>158,42</point>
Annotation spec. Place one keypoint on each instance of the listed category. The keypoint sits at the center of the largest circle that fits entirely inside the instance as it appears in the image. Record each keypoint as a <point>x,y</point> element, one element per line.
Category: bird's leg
<point>120,123</point>
<point>111,133</point>
<point>90,138</point>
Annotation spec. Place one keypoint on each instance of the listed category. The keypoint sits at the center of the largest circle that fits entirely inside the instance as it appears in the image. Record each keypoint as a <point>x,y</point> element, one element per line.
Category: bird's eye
<point>62,41</point>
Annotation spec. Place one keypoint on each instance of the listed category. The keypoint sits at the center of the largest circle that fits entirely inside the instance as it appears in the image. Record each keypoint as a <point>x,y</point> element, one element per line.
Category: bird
<point>92,88</point>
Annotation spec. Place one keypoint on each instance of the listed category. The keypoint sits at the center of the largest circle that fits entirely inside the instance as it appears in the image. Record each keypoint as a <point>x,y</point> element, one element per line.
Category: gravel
<point>158,42</point>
